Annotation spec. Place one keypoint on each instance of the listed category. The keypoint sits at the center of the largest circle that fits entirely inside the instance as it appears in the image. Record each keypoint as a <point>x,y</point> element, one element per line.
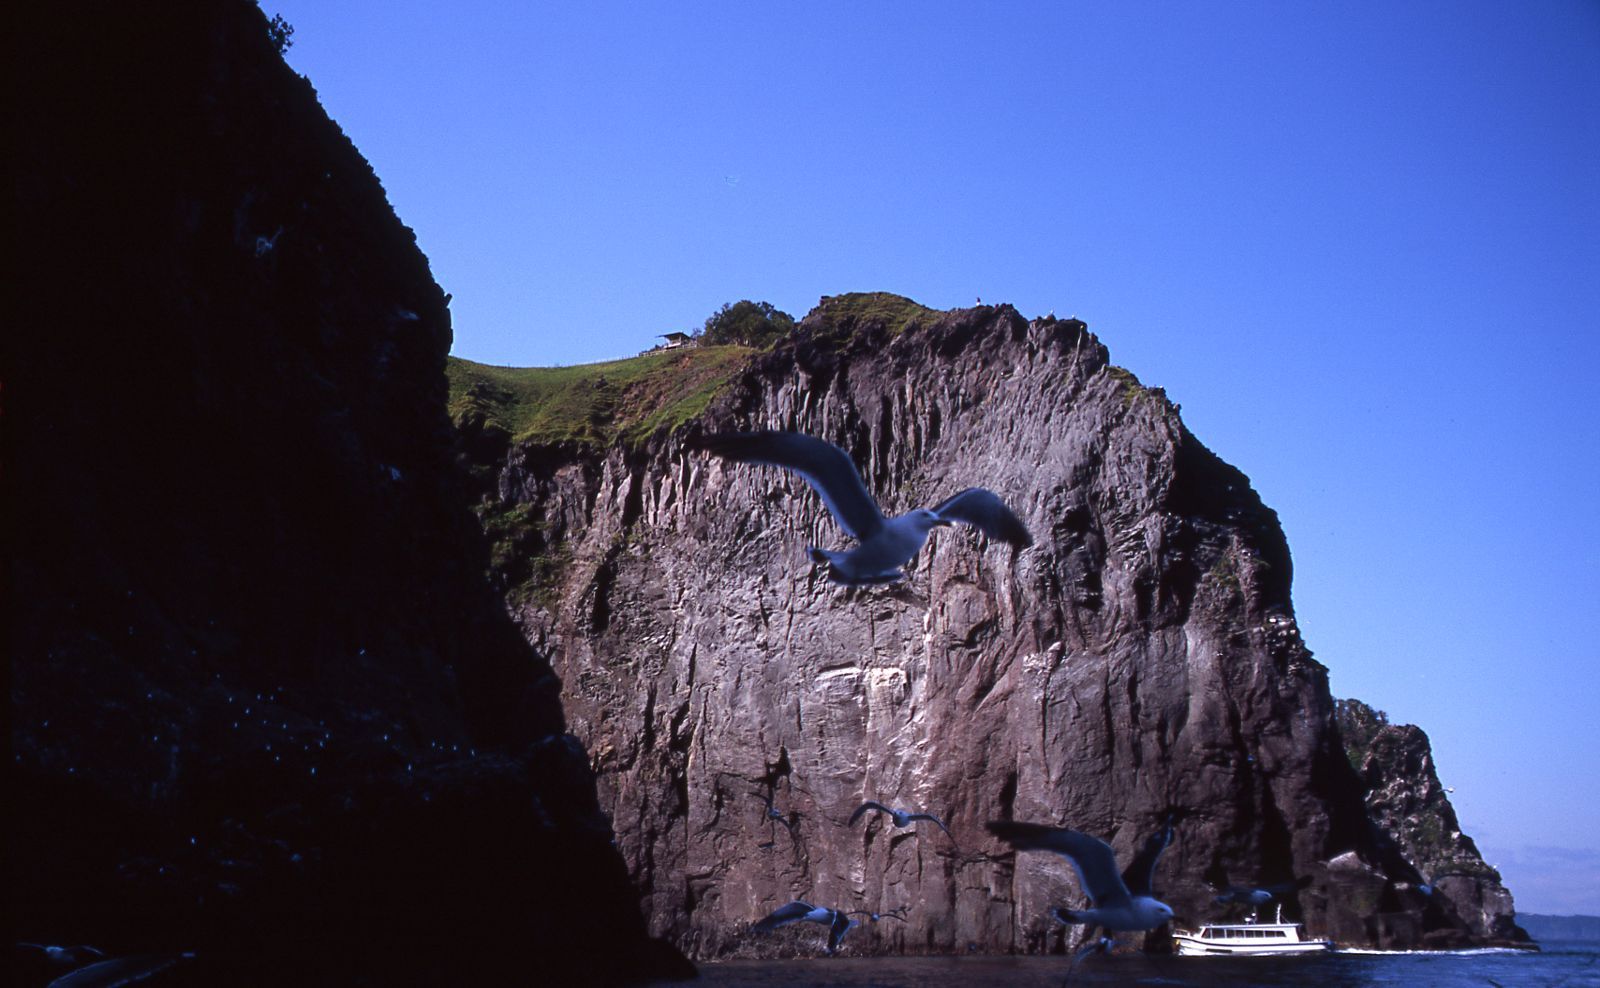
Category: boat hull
<point>1247,940</point>
<point>1195,948</point>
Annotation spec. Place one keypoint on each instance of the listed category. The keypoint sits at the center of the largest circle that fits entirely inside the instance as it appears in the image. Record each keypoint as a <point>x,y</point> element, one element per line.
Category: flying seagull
<point>901,818</point>
<point>837,921</point>
<point>886,544</point>
<point>1250,895</point>
<point>1123,902</point>
<point>1140,875</point>
<point>789,820</point>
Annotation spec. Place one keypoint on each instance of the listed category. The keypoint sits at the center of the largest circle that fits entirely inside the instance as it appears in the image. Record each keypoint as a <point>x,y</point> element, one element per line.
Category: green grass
<point>896,313</point>
<point>629,400</point>
<point>594,403</point>
<point>1132,390</point>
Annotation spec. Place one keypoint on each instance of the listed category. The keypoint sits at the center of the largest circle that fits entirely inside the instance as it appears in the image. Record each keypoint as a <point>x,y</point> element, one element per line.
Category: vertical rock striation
<point>264,705</point>
<point>1142,658</point>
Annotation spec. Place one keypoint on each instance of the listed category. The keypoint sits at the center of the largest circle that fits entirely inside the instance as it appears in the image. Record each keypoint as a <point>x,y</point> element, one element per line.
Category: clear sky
<point>1359,242</point>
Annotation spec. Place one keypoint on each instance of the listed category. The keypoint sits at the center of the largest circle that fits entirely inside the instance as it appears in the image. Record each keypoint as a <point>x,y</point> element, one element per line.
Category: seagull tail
<point>820,556</point>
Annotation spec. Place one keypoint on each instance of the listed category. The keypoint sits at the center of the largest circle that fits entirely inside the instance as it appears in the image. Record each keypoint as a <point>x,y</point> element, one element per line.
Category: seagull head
<point>928,520</point>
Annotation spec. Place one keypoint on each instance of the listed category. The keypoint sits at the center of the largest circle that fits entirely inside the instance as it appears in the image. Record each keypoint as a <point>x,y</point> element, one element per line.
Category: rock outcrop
<point>1141,659</point>
<point>1462,898</point>
<point>264,705</point>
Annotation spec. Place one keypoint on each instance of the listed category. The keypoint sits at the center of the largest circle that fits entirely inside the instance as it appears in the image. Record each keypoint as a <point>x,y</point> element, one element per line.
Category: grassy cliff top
<point>896,313</point>
<point>630,399</point>
<point>598,403</point>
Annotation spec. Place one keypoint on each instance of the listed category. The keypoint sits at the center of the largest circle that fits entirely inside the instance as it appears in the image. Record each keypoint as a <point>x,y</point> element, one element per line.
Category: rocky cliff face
<point>264,705</point>
<point>1409,806</point>
<point>1141,659</point>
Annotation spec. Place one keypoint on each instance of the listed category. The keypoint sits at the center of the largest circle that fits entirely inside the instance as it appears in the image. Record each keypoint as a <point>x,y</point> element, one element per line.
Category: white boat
<point>1250,939</point>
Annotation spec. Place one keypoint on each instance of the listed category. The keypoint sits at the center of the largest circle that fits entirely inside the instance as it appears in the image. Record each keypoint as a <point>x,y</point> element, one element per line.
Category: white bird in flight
<point>901,818</point>
<point>886,544</point>
<point>837,921</point>
<point>1117,902</point>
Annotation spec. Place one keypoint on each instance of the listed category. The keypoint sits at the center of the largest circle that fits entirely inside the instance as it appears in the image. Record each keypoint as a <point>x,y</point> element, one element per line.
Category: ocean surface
<point>1559,965</point>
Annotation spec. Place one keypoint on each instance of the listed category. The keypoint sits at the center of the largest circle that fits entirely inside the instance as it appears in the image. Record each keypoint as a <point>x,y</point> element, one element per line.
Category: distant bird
<point>886,544</point>
<point>773,813</point>
<point>901,818</point>
<point>1250,895</point>
<point>1125,902</point>
<point>837,921</point>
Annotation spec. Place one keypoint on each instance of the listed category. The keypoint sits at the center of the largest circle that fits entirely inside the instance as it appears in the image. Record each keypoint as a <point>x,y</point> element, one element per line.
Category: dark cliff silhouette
<point>264,706</point>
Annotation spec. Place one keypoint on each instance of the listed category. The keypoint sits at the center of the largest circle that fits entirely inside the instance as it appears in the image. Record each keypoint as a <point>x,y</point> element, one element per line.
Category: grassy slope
<point>599,403</point>
<point>630,399</point>
<point>896,313</point>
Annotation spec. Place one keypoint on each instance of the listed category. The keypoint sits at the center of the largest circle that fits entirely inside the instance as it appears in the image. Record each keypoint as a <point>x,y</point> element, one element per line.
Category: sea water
<point>1559,965</point>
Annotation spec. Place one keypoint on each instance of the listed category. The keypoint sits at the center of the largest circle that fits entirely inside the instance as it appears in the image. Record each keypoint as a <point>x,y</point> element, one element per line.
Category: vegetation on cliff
<point>746,323</point>
<point>592,403</point>
<point>643,575</point>
<point>1359,725</point>
<point>633,398</point>
<point>857,311</point>
<point>1410,806</point>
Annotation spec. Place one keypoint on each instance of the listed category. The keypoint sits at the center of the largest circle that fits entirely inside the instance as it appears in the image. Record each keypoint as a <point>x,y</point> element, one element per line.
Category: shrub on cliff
<point>1359,724</point>
<point>281,33</point>
<point>748,323</point>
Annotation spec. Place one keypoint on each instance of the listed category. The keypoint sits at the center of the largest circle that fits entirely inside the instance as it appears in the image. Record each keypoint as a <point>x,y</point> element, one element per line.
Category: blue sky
<point>1358,242</point>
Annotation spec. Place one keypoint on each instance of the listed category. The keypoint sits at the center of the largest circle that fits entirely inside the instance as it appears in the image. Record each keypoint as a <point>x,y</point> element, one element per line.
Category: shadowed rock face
<point>265,707</point>
<point>1413,813</point>
<point>1142,658</point>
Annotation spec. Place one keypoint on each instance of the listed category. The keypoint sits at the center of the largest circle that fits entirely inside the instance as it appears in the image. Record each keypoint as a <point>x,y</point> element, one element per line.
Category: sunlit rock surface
<point>1142,658</point>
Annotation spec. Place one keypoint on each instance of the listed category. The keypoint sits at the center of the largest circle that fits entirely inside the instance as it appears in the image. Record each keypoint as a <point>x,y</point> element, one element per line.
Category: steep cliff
<point>1142,658</point>
<point>264,705</point>
<point>1412,810</point>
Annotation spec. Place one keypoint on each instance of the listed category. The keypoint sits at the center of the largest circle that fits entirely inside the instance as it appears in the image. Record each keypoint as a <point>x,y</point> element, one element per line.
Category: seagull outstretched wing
<point>1141,871</point>
<point>117,971</point>
<point>864,807</point>
<point>983,510</point>
<point>837,929</point>
<point>930,816</point>
<point>783,915</point>
<point>826,467</point>
<point>1091,856</point>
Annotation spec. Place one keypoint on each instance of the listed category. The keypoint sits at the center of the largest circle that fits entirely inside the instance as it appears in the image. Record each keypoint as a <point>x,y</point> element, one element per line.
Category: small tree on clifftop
<point>281,33</point>
<point>748,323</point>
